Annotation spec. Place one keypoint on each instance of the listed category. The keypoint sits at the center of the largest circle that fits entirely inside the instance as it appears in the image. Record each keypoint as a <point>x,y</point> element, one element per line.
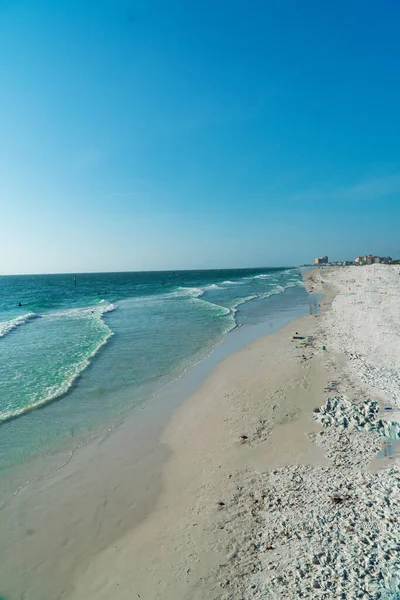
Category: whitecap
<point>57,391</point>
<point>8,326</point>
<point>213,286</point>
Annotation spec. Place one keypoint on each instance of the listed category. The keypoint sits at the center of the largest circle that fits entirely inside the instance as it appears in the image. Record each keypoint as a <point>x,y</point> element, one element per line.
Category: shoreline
<point>205,453</point>
<point>245,504</point>
<point>61,450</point>
<point>249,439</point>
<point>102,470</point>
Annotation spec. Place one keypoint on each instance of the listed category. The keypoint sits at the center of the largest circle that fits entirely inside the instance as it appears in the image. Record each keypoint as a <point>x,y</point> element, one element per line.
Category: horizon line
<point>73,273</point>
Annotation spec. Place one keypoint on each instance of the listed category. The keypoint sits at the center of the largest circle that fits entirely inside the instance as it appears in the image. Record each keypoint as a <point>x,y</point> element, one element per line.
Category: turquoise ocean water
<point>76,357</point>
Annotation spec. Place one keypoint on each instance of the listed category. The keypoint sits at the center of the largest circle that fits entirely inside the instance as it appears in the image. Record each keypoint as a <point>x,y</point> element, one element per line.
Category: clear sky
<point>141,135</point>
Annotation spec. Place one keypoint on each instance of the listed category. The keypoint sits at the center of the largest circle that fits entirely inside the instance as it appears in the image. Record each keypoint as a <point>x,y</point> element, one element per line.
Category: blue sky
<point>155,135</point>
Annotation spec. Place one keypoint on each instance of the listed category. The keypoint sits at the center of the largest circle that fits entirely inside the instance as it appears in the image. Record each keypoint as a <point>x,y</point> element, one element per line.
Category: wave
<point>294,283</point>
<point>98,310</point>
<point>57,392</point>
<point>212,286</point>
<point>243,301</point>
<point>60,391</point>
<point>229,282</point>
<point>180,292</point>
<point>279,289</point>
<point>218,309</point>
<point>192,292</point>
<point>8,326</point>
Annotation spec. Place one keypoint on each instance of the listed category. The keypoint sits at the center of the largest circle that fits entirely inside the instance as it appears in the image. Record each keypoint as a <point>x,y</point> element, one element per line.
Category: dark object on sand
<point>298,337</point>
<point>269,548</point>
<point>337,500</point>
<point>221,504</point>
<point>244,437</point>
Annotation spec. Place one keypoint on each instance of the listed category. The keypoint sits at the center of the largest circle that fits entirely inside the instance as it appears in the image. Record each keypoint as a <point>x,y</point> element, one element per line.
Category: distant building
<point>321,261</point>
<point>370,259</point>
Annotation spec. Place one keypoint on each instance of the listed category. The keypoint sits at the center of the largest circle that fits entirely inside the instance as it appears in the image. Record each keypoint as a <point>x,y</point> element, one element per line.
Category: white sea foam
<point>294,283</point>
<point>56,391</point>
<point>217,309</point>
<point>229,282</point>
<point>8,326</point>
<point>97,311</point>
<point>193,292</point>
<point>213,286</point>
<point>243,301</point>
<point>59,390</point>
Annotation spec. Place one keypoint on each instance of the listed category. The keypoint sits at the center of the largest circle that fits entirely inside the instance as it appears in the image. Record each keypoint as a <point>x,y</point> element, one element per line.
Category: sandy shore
<point>270,487</point>
<point>258,501</point>
<point>250,415</point>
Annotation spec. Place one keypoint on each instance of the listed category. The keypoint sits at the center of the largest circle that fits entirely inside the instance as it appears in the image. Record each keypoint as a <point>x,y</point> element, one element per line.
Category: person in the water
<point>19,304</point>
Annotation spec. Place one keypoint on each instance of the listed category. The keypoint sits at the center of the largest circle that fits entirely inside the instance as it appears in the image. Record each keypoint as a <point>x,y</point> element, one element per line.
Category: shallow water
<point>390,449</point>
<point>76,359</point>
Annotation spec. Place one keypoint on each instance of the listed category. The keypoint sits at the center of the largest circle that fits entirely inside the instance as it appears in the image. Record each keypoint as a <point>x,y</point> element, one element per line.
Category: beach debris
<point>339,411</point>
<point>330,386</point>
<point>323,347</point>
<point>243,438</point>
<point>298,337</point>
<point>221,504</point>
<point>336,499</point>
<point>267,548</point>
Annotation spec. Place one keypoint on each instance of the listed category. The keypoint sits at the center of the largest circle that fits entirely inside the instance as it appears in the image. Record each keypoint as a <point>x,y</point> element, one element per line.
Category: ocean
<point>79,354</point>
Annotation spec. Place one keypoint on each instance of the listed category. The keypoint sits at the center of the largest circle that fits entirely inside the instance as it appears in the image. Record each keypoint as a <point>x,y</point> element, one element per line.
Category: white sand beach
<point>258,500</point>
<point>260,495</point>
